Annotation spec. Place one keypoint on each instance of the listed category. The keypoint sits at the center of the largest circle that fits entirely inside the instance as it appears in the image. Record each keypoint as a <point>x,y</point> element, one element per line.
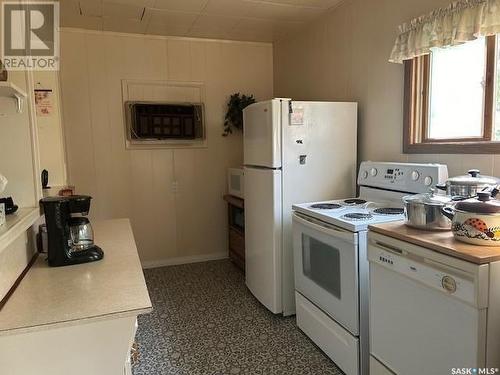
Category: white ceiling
<point>251,20</point>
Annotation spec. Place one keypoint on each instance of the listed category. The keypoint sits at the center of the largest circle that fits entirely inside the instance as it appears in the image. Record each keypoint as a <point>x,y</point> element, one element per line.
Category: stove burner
<point>354,201</point>
<point>388,211</point>
<point>326,206</point>
<point>355,216</point>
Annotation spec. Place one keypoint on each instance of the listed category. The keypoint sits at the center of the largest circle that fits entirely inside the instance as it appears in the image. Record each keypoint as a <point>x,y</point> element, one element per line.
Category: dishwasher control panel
<point>427,273</point>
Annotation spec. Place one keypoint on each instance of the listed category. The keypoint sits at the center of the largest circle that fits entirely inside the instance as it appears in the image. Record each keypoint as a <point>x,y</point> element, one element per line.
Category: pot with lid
<point>476,220</point>
<point>469,184</point>
<point>424,211</point>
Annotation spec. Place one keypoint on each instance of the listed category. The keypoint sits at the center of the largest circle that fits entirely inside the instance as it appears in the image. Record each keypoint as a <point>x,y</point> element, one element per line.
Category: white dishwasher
<point>431,313</point>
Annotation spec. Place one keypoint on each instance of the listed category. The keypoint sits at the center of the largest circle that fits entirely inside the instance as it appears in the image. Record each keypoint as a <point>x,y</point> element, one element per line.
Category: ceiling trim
<point>164,37</point>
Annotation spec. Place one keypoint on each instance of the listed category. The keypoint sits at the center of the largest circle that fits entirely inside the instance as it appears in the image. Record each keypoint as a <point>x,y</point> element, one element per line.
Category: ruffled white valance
<point>458,23</point>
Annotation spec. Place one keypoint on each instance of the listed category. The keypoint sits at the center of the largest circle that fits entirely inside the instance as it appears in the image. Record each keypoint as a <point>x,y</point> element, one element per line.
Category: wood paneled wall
<point>171,225</point>
<point>344,56</point>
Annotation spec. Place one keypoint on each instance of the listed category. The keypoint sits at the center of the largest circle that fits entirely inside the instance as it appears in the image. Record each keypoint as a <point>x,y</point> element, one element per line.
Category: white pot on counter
<point>476,220</point>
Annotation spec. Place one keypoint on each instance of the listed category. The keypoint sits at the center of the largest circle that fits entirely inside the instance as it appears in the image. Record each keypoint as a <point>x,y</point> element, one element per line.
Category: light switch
<point>175,187</point>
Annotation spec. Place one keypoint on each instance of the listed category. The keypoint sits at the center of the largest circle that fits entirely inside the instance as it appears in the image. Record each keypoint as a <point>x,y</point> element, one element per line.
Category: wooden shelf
<point>8,89</point>
<point>16,224</point>
<point>236,235</point>
<point>235,201</point>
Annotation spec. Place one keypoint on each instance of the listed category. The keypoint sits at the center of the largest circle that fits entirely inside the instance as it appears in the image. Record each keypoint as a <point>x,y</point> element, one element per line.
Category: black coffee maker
<point>70,235</point>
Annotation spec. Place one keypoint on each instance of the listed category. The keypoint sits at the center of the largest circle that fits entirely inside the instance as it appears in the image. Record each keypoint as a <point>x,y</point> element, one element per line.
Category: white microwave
<point>235,182</point>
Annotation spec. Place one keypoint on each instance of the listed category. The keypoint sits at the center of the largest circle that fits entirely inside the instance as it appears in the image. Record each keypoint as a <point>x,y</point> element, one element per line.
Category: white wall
<point>50,132</point>
<point>343,56</point>
<point>16,147</point>
<point>137,183</point>
<point>19,163</point>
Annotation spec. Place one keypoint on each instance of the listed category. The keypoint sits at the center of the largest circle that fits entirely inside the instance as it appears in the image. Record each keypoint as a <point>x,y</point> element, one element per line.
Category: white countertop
<point>16,224</point>
<point>50,297</point>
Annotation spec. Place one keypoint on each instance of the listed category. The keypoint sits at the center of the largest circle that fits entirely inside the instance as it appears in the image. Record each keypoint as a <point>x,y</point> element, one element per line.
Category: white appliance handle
<point>325,228</point>
<point>390,248</point>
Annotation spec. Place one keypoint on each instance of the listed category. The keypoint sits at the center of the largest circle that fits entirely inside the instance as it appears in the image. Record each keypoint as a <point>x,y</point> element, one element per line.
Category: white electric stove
<point>330,257</point>
<point>354,214</point>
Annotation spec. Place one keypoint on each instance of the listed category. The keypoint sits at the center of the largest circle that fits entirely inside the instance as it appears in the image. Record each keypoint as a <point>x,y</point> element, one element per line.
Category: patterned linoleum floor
<point>205,322</point>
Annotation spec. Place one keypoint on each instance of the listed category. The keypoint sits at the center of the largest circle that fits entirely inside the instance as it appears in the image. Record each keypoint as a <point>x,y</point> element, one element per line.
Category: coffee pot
<point>81,234</point>
<point>70,234</point>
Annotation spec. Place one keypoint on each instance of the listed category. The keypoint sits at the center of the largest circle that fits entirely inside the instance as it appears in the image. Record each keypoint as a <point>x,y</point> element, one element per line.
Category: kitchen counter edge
<point>16,327</point>
<point>440,241</point>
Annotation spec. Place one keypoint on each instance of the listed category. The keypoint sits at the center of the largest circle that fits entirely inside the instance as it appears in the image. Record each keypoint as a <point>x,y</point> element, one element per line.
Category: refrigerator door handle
<point>261,167</point>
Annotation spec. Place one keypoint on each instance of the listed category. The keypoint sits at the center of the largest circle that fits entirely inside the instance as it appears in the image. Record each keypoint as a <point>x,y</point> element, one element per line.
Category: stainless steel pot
<point>468,185</point>
<point>424,211</point>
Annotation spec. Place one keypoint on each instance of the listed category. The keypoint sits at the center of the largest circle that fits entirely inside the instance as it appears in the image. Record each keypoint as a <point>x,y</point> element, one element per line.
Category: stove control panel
<point>404,177</point>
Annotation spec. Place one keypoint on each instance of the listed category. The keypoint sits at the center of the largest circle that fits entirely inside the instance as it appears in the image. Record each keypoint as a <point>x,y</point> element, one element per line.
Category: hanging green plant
<point>234,114</point>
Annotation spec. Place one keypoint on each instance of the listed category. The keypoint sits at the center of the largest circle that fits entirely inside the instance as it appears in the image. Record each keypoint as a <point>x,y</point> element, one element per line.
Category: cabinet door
<point>93,348</point>
<point>201,213</point>
<point>152,204</point>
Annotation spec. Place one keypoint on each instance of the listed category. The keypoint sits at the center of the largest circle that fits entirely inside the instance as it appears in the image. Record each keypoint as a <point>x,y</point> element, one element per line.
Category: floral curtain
<point>458,23</point>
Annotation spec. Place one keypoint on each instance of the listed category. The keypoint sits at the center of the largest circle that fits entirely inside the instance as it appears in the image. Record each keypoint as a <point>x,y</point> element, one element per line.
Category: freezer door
<point>262,134</point>
<point>263,236</point>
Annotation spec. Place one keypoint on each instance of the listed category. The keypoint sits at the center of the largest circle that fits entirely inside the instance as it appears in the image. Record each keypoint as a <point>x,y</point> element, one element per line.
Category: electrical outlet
<point>175,187</point>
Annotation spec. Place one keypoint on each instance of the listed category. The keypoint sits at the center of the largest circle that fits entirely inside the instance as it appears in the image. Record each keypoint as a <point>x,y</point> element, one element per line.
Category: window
<point>452,100</point>
<point>321,264</point>
<point>153,122</point>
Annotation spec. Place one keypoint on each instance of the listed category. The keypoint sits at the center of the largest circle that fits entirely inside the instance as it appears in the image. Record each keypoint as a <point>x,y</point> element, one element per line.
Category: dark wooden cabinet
<point>236,235</point>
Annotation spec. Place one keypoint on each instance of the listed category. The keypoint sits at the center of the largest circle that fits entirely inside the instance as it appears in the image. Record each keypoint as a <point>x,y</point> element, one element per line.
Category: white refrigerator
<point>294,152</point>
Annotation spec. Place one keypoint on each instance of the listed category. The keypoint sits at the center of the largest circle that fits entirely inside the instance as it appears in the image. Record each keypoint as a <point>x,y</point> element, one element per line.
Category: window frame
<point>416,111</point>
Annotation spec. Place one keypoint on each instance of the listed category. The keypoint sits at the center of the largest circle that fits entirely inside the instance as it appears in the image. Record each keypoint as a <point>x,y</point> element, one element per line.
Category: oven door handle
<point>325,228</point>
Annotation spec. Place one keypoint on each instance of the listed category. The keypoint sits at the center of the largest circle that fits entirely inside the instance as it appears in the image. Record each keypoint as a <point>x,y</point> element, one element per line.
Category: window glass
<point>457,84</point>
<point>321,264</point>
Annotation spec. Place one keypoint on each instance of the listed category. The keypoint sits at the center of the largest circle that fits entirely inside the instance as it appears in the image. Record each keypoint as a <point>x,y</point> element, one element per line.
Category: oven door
<point>326,268</point>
